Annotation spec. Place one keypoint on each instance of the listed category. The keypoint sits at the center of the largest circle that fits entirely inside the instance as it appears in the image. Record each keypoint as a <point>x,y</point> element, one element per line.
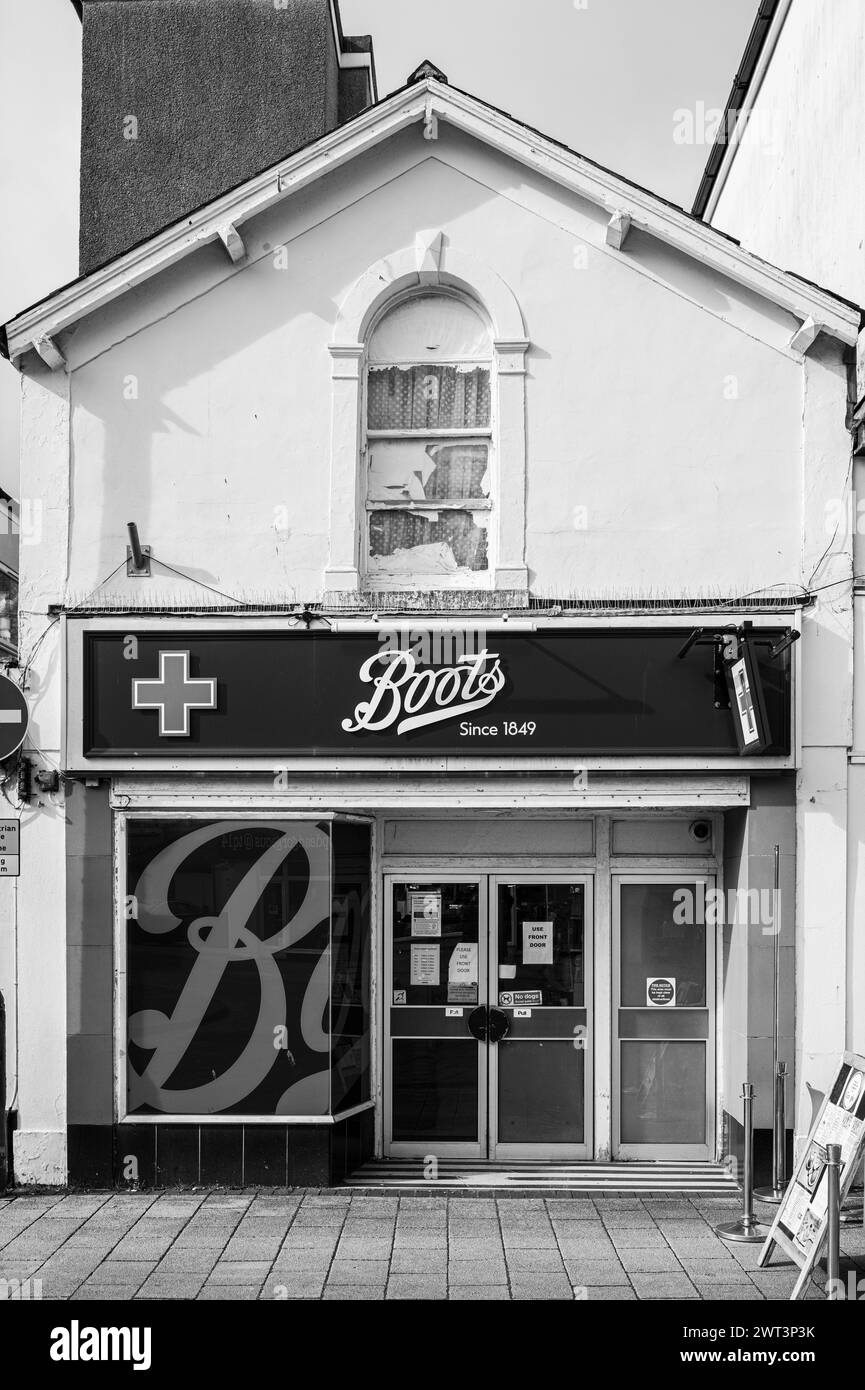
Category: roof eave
<point>45,321</point>
<point>759,46</point>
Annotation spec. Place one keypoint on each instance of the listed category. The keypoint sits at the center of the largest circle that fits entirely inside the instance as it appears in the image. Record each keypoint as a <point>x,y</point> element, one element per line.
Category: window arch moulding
<point>431,262</point>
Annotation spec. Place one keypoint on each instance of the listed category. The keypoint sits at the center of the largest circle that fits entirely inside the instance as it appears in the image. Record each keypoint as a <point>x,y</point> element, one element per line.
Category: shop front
<point>344,894</point>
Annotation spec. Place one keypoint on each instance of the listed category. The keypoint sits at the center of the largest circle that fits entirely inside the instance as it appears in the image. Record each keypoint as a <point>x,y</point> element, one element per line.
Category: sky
<point>606,77</point>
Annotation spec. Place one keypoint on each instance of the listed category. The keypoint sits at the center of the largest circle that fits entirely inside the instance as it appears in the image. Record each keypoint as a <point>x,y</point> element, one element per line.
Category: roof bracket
<point>430,121</point>
<point>804,337</point>
<point>617,230</point>
<point>232,241</point>
<point>50,353</point>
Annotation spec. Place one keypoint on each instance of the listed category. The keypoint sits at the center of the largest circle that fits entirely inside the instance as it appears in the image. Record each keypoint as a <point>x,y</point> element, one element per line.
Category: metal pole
<point>4,1163</point>
<point>747,1228</point>
<point>775,1192</point>
<point>833,1190</point>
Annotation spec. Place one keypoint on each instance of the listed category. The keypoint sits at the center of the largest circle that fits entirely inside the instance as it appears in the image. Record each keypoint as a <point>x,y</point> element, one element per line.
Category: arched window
<point>428,447</point>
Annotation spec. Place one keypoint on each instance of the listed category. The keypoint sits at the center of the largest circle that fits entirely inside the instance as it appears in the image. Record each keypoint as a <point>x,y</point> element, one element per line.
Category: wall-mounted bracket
<point>617,230</point>
<point>233,242</point>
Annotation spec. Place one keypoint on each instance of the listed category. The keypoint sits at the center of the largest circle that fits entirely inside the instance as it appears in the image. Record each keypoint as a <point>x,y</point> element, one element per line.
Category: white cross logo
<point>174,694</point>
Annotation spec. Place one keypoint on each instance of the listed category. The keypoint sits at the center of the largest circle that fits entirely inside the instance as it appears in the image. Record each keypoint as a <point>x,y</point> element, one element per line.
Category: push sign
<point>10,860</point>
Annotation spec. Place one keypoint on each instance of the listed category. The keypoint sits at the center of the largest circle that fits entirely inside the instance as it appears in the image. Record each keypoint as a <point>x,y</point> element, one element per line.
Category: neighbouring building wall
<point>748,956</point>
<point>40,1138</point>
<point>171,118</point>
<point>793,191</point>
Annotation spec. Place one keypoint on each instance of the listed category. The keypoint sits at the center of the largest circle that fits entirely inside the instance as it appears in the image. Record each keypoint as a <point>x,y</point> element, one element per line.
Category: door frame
<point>699,1153</point>
<point>487,1148</point>
<point>541,1152</point>
<point>418,1149</point>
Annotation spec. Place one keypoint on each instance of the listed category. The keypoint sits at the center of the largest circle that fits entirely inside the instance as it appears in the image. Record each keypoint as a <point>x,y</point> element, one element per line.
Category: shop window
<point>247,968</point>
<point>428,447</point>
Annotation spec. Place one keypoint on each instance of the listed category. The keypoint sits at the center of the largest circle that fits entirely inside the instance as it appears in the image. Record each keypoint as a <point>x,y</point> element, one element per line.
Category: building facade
<point>785,178</point>
<point>423,774</point>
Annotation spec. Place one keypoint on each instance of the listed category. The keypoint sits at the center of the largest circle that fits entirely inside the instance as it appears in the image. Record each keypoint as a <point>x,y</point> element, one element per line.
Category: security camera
<point>701,831</point>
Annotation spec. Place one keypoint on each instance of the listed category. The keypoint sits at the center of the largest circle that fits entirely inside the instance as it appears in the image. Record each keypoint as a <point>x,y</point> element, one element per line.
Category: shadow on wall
<point>232,372</point>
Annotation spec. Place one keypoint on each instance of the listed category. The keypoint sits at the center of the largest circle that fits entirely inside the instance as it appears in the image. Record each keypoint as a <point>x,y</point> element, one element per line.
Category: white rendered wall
<point>40,1139</point>
<point>663,409</point>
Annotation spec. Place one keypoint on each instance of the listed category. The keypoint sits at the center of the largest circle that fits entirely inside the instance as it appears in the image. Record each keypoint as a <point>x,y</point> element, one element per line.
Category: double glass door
<point>487,1016</point>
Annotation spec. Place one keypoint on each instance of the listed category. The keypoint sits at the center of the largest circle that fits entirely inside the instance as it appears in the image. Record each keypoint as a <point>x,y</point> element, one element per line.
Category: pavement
<point>342,1244</point>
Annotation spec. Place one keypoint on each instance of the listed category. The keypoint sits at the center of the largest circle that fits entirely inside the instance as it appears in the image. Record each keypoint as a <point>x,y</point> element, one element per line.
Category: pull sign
<point>522,1013</point>
<point>453,1013</point>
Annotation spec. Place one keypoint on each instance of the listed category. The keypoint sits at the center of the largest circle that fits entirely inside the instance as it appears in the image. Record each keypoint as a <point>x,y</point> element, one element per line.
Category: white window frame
<point>430,263</point>
<point>473,579</point>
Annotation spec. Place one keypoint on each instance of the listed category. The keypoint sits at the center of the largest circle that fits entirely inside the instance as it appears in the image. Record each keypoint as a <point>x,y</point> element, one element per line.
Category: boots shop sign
<point>620,691</point>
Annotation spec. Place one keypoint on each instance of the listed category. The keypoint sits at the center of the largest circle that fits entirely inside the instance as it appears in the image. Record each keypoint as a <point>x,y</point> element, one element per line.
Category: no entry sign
<point>13,717</point>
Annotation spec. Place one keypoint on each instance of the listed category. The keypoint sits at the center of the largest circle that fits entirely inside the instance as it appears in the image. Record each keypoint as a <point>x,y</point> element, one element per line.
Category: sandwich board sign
<point>801,1222</point>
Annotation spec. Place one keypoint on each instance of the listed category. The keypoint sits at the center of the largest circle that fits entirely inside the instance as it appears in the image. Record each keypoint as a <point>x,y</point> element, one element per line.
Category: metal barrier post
<point>4,1162</point>
<point>747,1227</point>
<point>775,1192</point>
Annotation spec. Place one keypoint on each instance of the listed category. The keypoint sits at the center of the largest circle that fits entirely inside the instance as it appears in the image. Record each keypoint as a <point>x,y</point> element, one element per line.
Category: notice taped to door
<point>463,974</point>
<point>537,943</point>
<point>801,1222</point>
<point>425,964</point>
<point>426,914</point>
<point>661,991</point>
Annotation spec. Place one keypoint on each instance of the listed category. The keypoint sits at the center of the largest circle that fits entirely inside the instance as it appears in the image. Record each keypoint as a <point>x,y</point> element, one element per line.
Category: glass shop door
<point>541,980</point>
<point>435,1017</point>
<point>663,1018</point>
<point>487,1017</point>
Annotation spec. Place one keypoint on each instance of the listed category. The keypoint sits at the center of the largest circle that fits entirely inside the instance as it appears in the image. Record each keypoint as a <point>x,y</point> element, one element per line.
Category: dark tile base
<point>166,1155</point>
<point>265,1156</point>
<point>90,1155</point>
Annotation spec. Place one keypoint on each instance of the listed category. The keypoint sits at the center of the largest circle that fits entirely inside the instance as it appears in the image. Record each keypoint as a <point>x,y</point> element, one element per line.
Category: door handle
<point>477,1022</point>
<point>499,1025</point>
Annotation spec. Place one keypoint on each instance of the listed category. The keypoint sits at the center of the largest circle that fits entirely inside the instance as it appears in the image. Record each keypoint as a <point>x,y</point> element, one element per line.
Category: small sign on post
<point>10,849</point>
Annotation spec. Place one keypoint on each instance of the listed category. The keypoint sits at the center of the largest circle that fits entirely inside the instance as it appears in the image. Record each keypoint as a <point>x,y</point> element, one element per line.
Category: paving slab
<point>247,1294</point>
<point>596,1272</point>
<point>663,1285</point>
<point>648,1261</point>
<point>478,1292</point>
<point>541,1287</point>
<point>358,1272</point>
<point>405,1260</point>
<point>352,1293</point>
<point>416,1286</point>
<point>477,1272</point>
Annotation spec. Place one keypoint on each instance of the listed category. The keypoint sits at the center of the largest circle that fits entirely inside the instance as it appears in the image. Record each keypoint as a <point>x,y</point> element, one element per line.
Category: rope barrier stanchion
<point>746,1227</point>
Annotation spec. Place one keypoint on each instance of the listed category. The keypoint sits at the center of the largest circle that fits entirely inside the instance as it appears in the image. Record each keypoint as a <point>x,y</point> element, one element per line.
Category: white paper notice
<point>426,914</point>
<point>537,943</point>
<point>463,967</point>
<point>424,964</point>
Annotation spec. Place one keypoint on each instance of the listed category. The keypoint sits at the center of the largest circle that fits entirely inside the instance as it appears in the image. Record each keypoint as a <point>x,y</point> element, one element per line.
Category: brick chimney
<point>184,99</point>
